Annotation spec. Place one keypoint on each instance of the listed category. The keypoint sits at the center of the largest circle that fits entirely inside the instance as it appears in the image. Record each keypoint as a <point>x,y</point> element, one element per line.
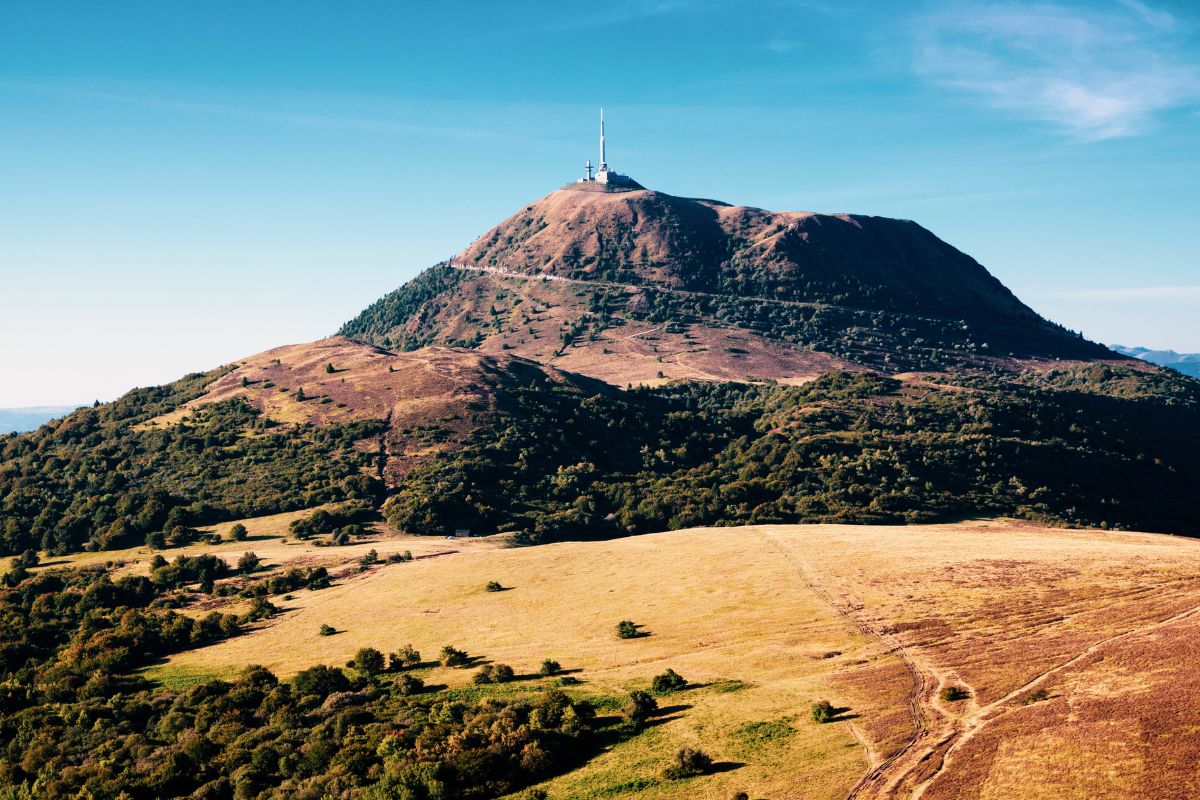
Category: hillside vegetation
<point>511,448</point>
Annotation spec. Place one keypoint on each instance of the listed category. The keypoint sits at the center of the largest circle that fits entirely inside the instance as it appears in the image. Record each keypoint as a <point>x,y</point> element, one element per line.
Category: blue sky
<point>182,184</point>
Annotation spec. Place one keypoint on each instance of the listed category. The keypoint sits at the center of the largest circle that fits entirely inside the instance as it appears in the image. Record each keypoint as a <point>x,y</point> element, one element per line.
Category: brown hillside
<point>639,286</point>
<point>430,399</point>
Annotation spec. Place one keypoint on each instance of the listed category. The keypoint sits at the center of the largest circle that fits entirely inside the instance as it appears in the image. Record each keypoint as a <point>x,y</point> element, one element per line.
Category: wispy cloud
<point>1097,73</point>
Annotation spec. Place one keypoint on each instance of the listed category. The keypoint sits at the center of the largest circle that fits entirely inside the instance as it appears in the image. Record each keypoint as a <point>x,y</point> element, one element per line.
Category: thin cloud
<point>1097,74</point>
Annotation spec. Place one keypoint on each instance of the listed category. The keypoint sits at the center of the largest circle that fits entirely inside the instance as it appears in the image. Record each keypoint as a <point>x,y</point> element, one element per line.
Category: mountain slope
<point>626,286</point>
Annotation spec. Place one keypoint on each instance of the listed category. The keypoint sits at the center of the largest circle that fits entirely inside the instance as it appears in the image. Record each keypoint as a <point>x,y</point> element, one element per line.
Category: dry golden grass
<point>768,619</point>
<point>737,620</point>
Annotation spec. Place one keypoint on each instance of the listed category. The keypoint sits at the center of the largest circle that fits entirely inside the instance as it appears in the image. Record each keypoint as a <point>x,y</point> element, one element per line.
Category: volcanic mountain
<point>487,394</point>
<point>638,286</point>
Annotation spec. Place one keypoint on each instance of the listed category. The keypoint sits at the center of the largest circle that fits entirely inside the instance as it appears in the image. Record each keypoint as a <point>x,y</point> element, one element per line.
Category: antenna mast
<point>603,166</point>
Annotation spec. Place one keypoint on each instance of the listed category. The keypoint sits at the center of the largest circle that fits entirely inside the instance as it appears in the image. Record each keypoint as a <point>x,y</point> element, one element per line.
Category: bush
<point>689,762</point>
<point>639,707</point>
<point>404,658</point>
<point>494,673</point>
<point>238,533</point>
<point>261,608</point>
<point>453,657</point>
<point>669,681</point>
<point>248,562</point>
<point>327,630</point>
<point>494,586</point>
<point>822,712</point>
<point>569,680</point>
<point>407,685</point>
<point>952,694</point>
<point>628,630</point>
<point>549,667</point>
<point>370,558</point>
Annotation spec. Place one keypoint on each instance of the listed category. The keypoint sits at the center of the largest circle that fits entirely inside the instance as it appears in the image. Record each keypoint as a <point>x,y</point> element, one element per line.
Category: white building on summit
<point>604,175</point>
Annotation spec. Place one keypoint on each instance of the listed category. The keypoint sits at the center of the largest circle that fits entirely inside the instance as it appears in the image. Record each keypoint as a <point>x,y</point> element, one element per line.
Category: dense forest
<point>99,479</point>
<point>1098,446</point>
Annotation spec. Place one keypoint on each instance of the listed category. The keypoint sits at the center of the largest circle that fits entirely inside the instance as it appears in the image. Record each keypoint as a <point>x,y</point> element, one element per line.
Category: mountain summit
<point>635,285</point>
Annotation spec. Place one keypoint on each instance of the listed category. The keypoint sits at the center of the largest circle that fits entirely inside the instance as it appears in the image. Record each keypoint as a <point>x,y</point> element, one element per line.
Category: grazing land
<point>1068,651</point>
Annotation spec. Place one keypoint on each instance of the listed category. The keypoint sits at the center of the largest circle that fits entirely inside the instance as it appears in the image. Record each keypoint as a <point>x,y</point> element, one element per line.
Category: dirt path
<point>990,713</point>
<point>929,722</point>
<point>940,729</point>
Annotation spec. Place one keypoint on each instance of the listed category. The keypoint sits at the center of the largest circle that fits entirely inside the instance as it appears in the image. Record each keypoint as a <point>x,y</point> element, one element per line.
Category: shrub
<point>689,762</point>
<point>327,630</point>
<point>669,681</point>
<point>1036,697</point>
<point>494,673</point>
<point>822,712</point>
<point>248,562</point>
<point>952,694</point>
<point>404,658</point>
<point>453,657</point>
<point>627,630</point>
<point>261,608</point>
<point>370,558</point>
<point>639,707</point>
<point>494,586</point>
<point>238,533</point>
<point>549,667</point>
<point>407,685</point>
<point>568,680</point>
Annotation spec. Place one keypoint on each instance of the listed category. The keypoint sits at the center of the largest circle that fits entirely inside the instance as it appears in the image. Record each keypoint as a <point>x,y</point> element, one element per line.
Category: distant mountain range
<point>1187,363</point>
<point>19,420</point>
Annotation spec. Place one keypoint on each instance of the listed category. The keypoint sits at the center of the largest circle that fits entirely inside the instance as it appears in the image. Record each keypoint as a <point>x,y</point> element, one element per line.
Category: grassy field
<point>757,644</point>
<point>1073,651</point>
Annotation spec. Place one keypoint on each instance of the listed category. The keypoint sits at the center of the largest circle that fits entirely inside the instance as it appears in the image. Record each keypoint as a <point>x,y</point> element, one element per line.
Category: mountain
<point>905,384</point>
<point>1187,363</point>
<point>638,286</point>
<point>19,420</point>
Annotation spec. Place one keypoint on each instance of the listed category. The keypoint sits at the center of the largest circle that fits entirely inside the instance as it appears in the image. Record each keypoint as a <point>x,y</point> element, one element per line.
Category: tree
<point>300,394</point>
<point>404,658</point>
<point>327,630</point>
<point>549,667</point>
<point>329,369</point>
<point>494,586</point>
<point>238,533</point>
<point>452,657</point>
<point>248,562</point>
<point>369,660</point>
<point>370,558</point>
<point>639,707</point>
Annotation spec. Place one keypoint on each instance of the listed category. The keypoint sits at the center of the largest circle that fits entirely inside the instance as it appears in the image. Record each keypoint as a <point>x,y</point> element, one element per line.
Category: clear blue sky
<point>182,184</point>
